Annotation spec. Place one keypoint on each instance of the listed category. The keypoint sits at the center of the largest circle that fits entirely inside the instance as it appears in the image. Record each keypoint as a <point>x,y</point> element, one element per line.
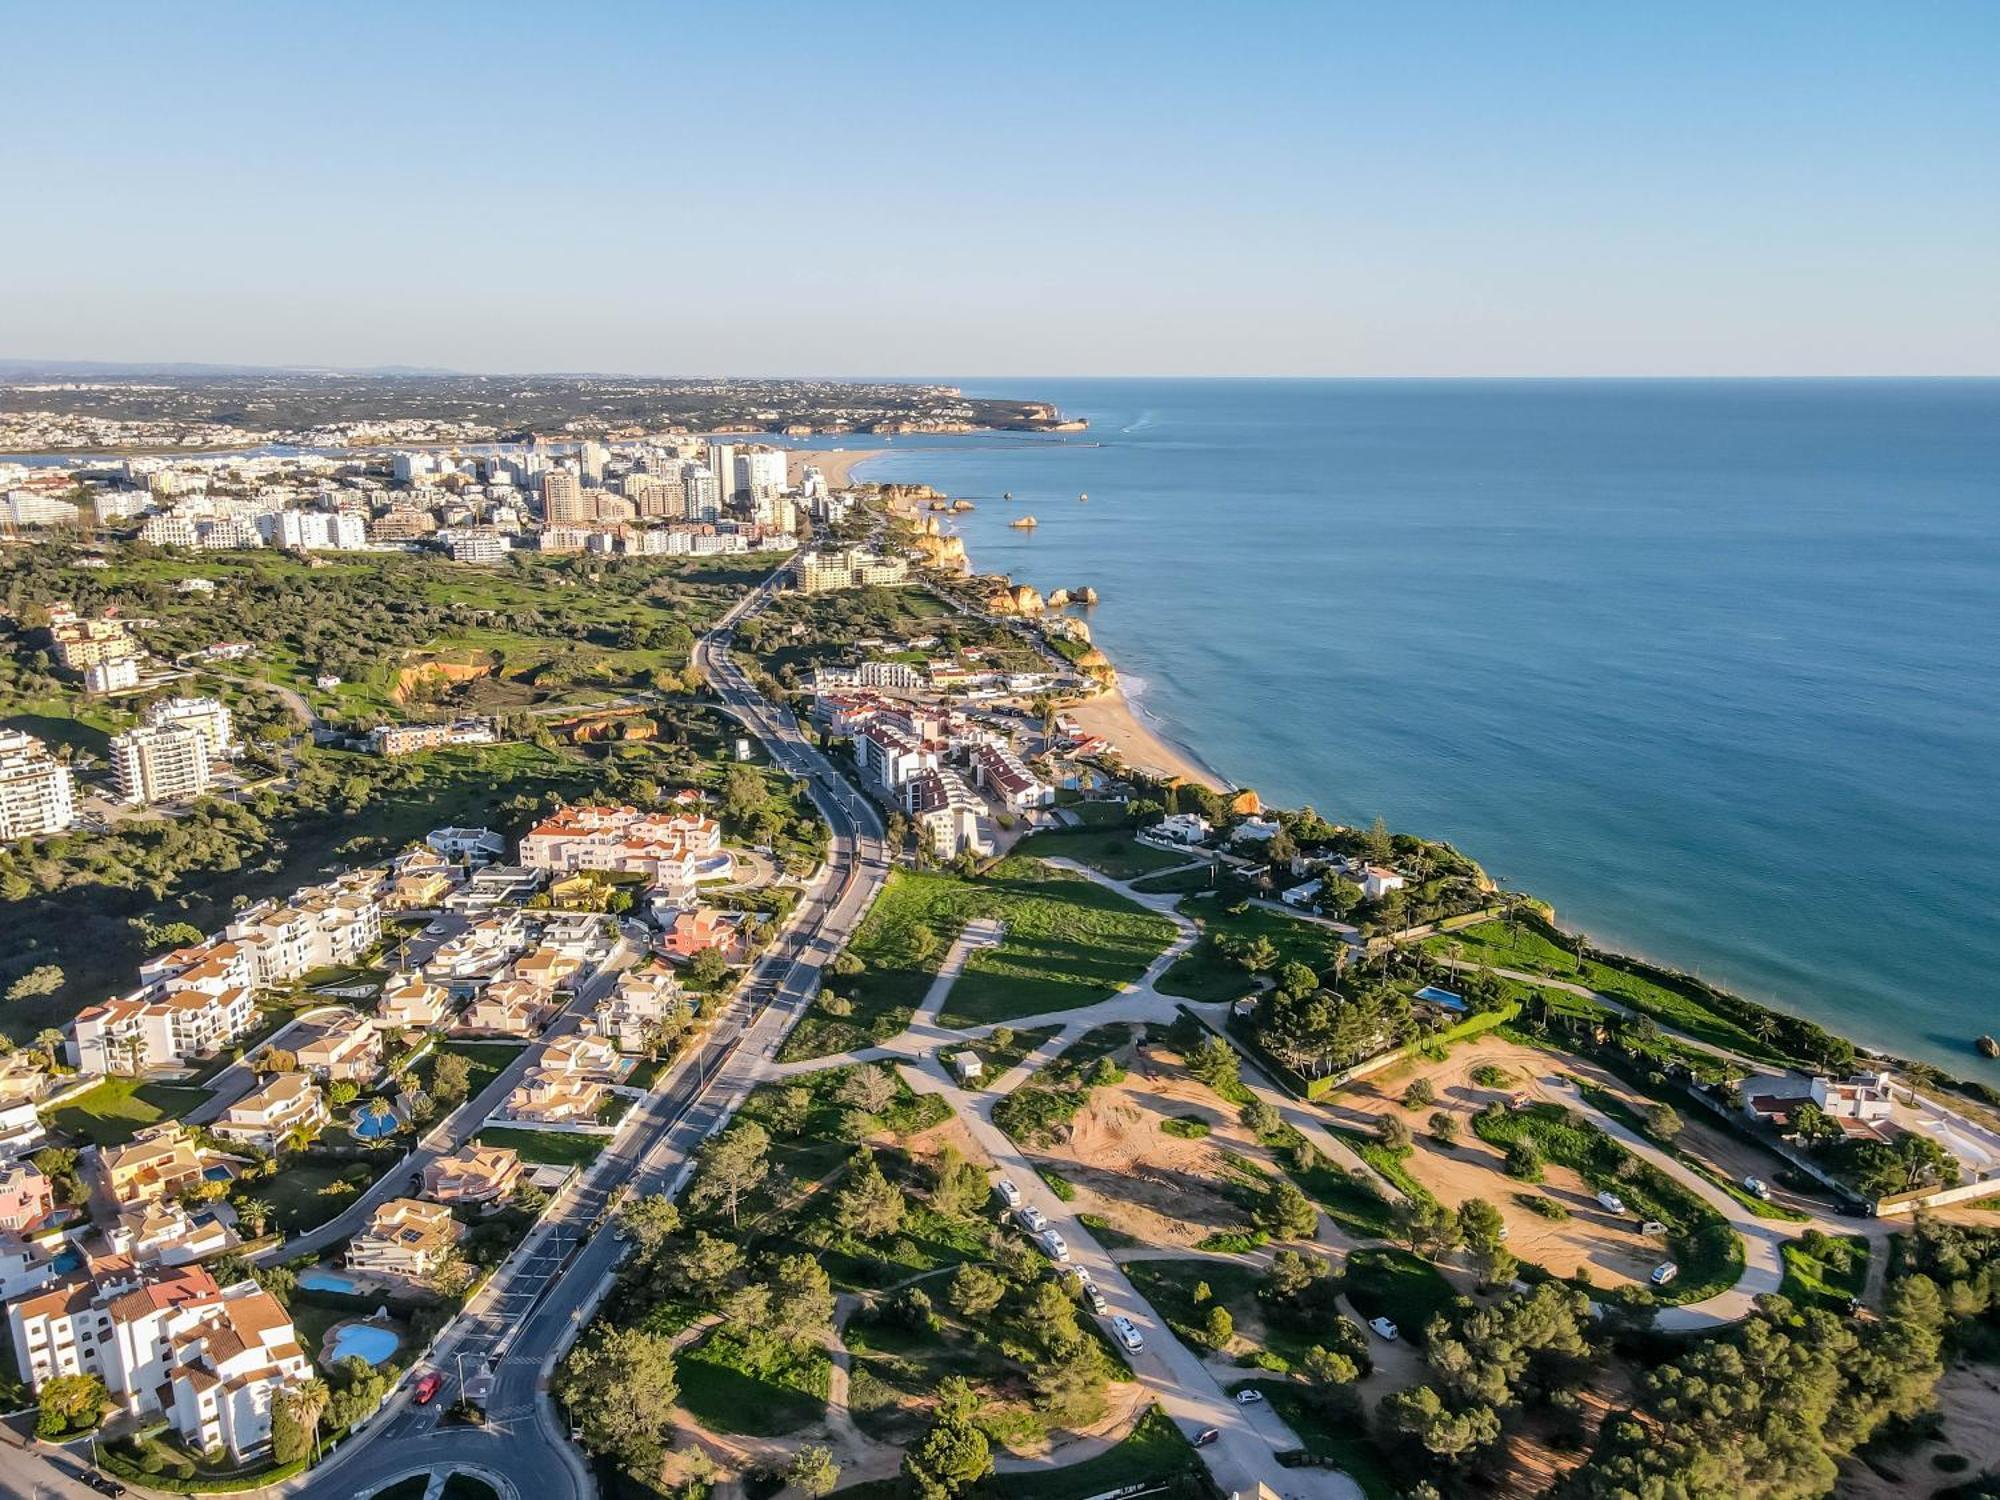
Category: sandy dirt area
<point>837,464</point>
<point>1143,747</point>
<point>1608,1245</point>
<point>1969,1398</point>
<point>1165,1190</point>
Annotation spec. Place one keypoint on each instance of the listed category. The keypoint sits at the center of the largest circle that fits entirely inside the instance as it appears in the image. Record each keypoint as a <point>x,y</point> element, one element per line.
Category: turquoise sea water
<point>1714,666</point>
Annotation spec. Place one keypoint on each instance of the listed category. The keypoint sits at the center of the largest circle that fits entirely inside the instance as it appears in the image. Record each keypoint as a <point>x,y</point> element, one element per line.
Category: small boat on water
<point>1006,494</point>
<point>1080,499</point>
<point>1023,523</point>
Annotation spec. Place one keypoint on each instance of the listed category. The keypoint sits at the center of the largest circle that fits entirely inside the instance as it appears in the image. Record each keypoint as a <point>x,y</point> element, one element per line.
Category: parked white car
<point>1756,1187</point>
<point>1009,1194</point>
<point>1128,1333</point>
<point>1249,1396</point>
<point>1032,1218</point>
<point>1053,1244</point>
<point>1664,1273</point>
<point>1384,1329</point>
<point>1610,1202</point>
<point>1652,1226</point>
<point>1095,1297</point>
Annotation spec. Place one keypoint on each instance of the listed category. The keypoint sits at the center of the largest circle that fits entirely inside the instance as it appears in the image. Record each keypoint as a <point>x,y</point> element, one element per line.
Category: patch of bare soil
<point>1608,1246</point>
<point>1968,1399</point>
<point>1161,1188</point>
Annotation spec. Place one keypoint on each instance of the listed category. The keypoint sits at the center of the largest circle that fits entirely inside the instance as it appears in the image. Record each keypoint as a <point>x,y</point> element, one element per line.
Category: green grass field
<point>1069,942</point>
<point>552,1147</point>
<point>754,1386</point>
<point>119,1108</point>
<point>1154,1452</point>
<point>1206,975</point>
<point>1109,851</point>
<point>1824,1270</point>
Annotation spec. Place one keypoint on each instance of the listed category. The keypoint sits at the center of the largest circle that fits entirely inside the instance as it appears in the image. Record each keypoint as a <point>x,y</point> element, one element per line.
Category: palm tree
<point>255,1215</point>
<point>308,1401</point>
<point>49,1043</point>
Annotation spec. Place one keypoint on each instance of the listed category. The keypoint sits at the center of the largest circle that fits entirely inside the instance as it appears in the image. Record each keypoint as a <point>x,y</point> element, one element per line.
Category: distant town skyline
<point>1445,189</point>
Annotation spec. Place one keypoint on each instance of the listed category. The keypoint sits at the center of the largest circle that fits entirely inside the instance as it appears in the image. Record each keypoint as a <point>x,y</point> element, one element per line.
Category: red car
<point>428,1387</point>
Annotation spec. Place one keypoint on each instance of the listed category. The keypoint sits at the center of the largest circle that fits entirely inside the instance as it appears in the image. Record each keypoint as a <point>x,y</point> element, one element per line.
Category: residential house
<point>340,1044</point>
<point>167,1234</point>
<point>1181,828</point>
<point>945,812</point>
<point>25,1197</point>
<point>406,1237</point>
<point>21,1130</point>
<point>474,1173</point>
<point>155,1164</point>
<point>631,1015</point>
<point>1002,775</point>
<point>272,1112</point>
<point>699,930</point>
<point>547,968</point>
<point>508,1007</point>
<point>23,1078</point>
<point>478,846</point>
<point>580,1052</point>
<point>134,1033</point>
<point>494,887</point>
<point>552,1096</point>
<point>412,1003</point>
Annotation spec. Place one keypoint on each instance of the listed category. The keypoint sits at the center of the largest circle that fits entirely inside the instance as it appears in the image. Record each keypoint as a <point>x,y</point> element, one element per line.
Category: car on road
<point>1009,1194</point>
<point>1128,1333</point>
<point>1756,1187</point>
<point>1053,1244</point>
<point>1249,1396</point>
<point>104,1484</point>
<point>1095,1297</point>
<point>1206,1436</point>
<point>1384,1329</point>
<point>427,1388</point>
<point>1652,1226</point>
<point>1610,1202</point>
<point>1032,1218</point>
<point>1665,1273</point>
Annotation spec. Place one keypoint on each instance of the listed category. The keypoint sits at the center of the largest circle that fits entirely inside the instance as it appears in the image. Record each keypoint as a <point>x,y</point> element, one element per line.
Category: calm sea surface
<point>1714,666</point>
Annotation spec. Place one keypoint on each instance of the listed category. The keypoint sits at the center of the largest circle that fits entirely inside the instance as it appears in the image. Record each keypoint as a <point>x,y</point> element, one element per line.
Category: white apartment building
<point>112,676</point>
<point>26,508</point>
<point>208,717</point>
<point>211,1360</point>
<point>849,568</point>
<point>477,545</point>
<point>314,530</point>
<point>320,926</point>
<point>160,764</point>
<point>37,793</point>
<point>665,847</point>
<point>133,1033</point>
<point>168,530</point>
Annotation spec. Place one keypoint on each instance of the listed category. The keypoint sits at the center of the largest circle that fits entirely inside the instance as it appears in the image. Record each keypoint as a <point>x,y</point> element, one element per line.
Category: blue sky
<point>1475,189</point>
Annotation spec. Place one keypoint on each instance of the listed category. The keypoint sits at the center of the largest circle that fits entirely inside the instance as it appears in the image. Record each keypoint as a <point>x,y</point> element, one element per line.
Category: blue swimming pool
<point>1444,999</point>
<point>317,1280</point>
<point>71,1259</point>
<point>364,1339</point>
<point>369,1126</point>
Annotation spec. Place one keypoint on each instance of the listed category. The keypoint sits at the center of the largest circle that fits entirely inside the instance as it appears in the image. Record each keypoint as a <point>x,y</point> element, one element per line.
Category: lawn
<point>755,1386</point>
<point>1154,1452</point>
<point>1179,883</point>
<point>1205,974</point>
<point>1394,1284</point>
<point>1825,1270</point>
<point>486,1061</point>
<point>119,1108</point>
<point>1069,942</point>
<point>548,1146</point>
<point>300,1195</point>
<point>1527,948</point>
<point>1109,851</point>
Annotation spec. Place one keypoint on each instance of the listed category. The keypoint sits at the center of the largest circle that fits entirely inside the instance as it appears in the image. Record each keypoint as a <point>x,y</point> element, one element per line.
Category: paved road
<point>522,1320</point>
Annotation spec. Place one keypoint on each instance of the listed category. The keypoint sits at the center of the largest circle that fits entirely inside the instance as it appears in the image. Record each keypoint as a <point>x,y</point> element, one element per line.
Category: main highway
<point>504,1342</point>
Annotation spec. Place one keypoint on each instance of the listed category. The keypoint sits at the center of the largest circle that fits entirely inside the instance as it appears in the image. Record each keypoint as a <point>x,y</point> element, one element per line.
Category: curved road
<point>508,1337</point>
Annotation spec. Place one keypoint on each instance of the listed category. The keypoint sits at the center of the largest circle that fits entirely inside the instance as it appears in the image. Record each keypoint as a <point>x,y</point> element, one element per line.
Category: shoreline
<point>837,464</point>
<point>1111,714</point>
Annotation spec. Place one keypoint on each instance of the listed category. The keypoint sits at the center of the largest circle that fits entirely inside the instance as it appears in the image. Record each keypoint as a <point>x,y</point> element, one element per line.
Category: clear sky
<point>1498,187</point>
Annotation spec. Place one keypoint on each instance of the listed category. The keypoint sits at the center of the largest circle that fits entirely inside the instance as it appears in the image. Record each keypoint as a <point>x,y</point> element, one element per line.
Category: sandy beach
<point>836,463</point>
<point>1143,748</point>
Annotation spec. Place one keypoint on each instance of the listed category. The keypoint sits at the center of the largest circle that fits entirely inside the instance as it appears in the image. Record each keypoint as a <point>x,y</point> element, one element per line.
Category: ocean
<point>1714,666</point>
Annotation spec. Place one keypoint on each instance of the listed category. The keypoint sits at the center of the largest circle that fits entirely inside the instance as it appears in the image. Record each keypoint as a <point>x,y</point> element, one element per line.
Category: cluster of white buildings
<point>934,764</point>
<point>171,756</point>
<point>194,1001</point>
<point>674,850</point>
